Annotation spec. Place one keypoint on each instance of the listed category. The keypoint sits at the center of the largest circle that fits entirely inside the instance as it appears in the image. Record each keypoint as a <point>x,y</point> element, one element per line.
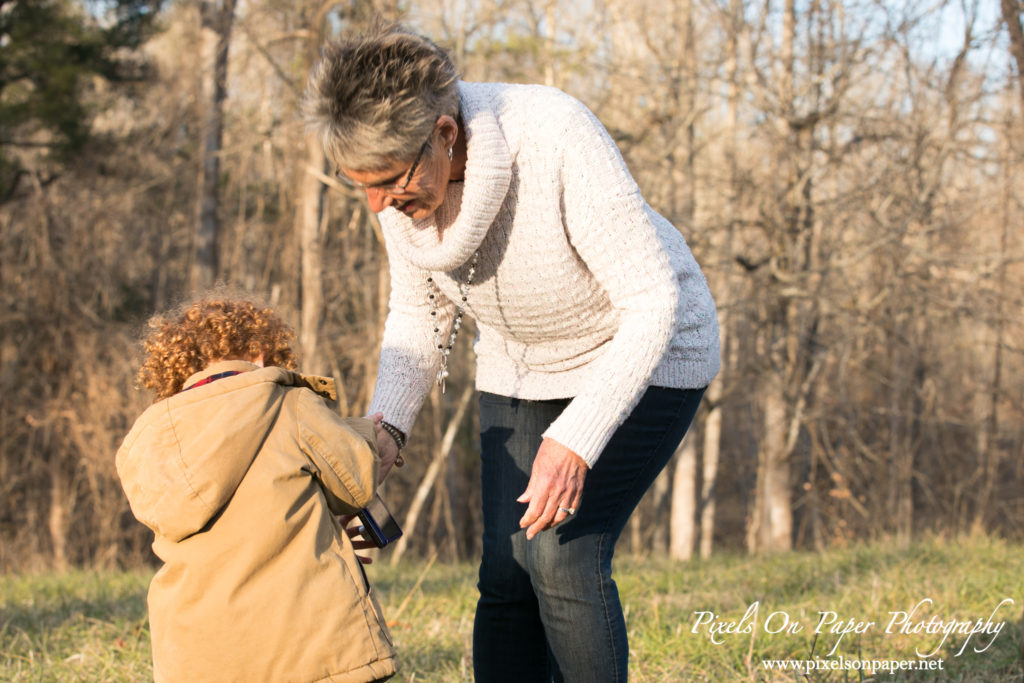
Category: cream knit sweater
<point>581,289</point>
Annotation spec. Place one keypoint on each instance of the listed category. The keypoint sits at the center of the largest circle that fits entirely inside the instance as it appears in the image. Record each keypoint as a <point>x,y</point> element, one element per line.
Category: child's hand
<point>387,449</point>
<point>350,523</point>
<point>377,418</point>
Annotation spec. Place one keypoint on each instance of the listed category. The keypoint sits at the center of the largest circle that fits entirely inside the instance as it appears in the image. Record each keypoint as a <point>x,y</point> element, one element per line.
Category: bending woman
<point>597,331</point>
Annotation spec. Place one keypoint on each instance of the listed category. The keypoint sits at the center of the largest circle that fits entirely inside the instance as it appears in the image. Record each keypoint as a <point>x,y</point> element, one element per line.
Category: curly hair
<point>373,99</point>
<point>184,341</point>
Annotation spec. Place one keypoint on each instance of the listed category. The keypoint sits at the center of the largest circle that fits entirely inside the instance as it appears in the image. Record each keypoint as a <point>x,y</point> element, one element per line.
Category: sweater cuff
<point>584,434</point>
<point>398,409</point>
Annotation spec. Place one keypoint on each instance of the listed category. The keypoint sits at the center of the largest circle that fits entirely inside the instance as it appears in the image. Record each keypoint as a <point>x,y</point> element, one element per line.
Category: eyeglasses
<point>393,188</point>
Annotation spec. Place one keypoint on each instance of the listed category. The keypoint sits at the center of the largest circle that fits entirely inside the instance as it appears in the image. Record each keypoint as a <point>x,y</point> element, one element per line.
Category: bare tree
<point>1011,12</point>
<point>217,17</point>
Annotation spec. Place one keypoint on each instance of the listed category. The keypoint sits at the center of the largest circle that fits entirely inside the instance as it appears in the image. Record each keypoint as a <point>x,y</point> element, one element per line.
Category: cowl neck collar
<point>448,238</point>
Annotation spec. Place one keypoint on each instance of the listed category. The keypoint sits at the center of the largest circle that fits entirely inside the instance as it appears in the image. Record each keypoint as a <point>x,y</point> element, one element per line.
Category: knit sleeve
<point>408,358</point>
<point>613,231</point>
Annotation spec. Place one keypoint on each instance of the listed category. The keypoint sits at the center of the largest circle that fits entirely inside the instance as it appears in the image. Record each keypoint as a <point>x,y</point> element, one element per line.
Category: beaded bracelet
<point>397,434</point>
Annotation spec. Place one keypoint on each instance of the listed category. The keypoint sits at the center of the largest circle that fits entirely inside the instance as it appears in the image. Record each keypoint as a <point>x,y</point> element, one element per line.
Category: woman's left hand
<point>556,485</point>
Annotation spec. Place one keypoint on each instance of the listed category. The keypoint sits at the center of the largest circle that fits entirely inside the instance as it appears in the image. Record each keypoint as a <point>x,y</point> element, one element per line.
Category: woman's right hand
<point>555,489</point>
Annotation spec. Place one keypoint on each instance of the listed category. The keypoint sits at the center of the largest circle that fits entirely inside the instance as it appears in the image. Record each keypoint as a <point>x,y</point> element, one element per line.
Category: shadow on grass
<point>44,604</point>
<point>35,618</point>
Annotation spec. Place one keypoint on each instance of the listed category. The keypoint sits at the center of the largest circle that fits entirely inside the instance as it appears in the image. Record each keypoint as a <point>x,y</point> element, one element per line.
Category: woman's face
<point>417,188</point>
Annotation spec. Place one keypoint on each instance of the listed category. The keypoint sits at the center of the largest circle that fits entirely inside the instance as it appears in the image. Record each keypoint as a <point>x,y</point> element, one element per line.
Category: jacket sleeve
<point>343,452</point>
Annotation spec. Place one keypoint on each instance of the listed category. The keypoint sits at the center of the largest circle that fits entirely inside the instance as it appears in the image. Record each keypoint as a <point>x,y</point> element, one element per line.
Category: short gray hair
<point>374,99</point>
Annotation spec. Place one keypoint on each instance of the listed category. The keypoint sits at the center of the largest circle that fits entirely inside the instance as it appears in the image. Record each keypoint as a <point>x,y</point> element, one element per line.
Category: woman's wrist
<point>397,434</point>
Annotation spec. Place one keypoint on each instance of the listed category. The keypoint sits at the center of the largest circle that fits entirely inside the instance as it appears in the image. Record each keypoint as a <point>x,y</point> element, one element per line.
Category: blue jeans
<point>549,609</point>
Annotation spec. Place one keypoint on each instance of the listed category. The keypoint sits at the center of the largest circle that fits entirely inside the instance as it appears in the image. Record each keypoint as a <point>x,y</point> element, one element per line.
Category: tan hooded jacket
<point>241,479</point>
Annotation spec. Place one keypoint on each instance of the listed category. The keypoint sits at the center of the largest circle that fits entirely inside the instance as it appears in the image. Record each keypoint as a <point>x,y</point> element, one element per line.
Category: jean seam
<point>604,532</point>
<point>604,603</point>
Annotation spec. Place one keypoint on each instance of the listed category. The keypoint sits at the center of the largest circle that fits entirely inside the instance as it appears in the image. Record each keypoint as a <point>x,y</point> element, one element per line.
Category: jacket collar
<point>324,386</point>
<point>217,368</point>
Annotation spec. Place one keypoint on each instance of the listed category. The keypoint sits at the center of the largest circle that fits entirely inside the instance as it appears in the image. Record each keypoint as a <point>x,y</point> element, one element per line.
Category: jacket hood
<point>185,456</point>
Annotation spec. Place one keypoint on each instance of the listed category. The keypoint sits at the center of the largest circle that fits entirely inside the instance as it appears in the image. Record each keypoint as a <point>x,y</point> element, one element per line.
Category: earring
<point>451,153</point>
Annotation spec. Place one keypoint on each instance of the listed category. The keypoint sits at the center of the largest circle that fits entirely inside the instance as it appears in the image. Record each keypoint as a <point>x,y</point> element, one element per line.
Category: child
<point>240,469</point>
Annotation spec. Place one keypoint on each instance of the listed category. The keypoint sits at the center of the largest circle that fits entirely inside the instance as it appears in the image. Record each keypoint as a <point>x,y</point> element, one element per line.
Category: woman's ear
<point>448,129</point>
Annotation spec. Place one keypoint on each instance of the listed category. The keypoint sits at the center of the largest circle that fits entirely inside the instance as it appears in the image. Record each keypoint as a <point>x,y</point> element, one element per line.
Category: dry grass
<point>91,626</point>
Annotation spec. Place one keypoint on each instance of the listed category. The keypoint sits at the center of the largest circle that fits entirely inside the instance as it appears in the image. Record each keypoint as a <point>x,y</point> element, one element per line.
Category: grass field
<point>91,626</point>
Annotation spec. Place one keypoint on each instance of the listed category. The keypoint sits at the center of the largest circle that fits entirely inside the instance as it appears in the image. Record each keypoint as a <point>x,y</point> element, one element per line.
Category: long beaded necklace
<point>432,294</point>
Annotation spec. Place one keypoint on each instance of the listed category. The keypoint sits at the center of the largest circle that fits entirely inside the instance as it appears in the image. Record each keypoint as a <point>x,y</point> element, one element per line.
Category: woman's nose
<point>378,199</point>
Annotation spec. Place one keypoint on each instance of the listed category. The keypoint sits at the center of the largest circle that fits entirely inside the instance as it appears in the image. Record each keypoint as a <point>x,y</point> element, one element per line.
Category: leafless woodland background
<point>849,174</point>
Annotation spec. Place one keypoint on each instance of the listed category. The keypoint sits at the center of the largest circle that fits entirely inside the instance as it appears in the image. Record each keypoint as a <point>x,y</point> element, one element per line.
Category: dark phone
<point>379,527</point>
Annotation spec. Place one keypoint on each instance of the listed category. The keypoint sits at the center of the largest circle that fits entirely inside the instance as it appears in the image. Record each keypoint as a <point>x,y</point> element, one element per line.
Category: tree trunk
<point>684,502</point>
<point>217,17</point>
<point>772,518</point>
<point>60,514</point>
<point>771,526</point>
<point>1012,10</point>
<point>549,43</point>
<point>712,447</point>
<point>311,229</point>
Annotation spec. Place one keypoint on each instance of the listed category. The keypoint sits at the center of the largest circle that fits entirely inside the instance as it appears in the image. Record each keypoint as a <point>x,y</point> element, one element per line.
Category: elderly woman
<point>597,332</point>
